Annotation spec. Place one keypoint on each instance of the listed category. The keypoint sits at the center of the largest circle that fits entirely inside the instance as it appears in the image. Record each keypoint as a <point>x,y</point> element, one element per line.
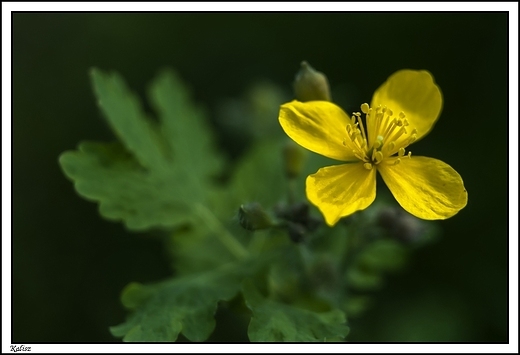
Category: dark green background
<point>69,265</point>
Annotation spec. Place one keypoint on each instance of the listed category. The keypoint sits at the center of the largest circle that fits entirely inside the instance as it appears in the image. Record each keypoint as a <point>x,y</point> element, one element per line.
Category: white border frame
<point>511,7</point>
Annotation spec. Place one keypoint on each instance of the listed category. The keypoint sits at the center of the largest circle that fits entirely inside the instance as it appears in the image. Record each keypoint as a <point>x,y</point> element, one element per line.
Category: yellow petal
<point>414,93</point>
<point>341,190</point>
<point>319,126</point>
<point>427,188</point>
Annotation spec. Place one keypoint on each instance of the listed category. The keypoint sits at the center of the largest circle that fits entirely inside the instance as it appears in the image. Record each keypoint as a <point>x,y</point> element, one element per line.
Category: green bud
<point>252,217</point>
<point>311,85</point>
<point>294,159</point>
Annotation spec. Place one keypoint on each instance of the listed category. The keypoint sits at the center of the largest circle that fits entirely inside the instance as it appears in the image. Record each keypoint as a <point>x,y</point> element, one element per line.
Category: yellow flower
<point>402,111</point>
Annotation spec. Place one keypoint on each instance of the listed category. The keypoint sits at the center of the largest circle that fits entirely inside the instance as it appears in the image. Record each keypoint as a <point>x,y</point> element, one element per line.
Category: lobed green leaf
<point>185,304</point>
<point>157,171</point>
<point>277,322</point>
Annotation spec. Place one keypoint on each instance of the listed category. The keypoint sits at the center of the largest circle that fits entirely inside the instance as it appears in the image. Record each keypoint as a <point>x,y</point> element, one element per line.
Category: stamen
<point>378,143</point>
<point>382,139</point>
<point>357,155</point>
<point>390,125</point>
<point>398,134</point>
<point>378,157</point>
<point>361,125</point>
<point>394,162</point>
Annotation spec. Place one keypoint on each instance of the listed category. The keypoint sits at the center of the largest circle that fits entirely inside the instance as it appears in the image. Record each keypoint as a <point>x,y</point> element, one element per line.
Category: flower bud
<point>253,217</point>
<point>311,85</point>
<point>294,159</point>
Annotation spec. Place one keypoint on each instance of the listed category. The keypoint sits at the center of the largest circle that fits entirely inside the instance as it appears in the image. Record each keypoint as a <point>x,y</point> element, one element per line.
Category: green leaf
<point>157,171</point>
<point>184,127</point>
<point>277,322</point>
<point>182,305</point>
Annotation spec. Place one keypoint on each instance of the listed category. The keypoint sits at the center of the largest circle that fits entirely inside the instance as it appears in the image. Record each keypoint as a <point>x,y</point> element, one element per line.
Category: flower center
<point>387,135</point>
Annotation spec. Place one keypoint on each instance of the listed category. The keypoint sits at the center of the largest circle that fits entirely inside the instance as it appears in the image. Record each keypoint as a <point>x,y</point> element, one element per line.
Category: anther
<point>378,157</point>
<point>379,142</point>
<point>401,151</point>
<point>391,146</point>
<point>402,115</point>
<point>367,166</point>
<point>365,108</point>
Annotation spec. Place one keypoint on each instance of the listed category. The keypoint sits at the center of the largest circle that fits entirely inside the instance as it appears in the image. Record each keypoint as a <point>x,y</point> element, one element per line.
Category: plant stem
<point>226,238</point>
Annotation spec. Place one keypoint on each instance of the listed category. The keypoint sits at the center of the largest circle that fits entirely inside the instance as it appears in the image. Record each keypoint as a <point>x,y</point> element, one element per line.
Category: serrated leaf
<point>184,126</point>
<point>182,305</point>
<point>277,322</point>
<point>186,306</point>
<point>108,174</point>
<point>157,171</point>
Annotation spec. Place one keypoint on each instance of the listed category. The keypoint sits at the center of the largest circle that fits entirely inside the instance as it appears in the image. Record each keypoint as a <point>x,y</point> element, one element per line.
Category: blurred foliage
<point>159,177</point>
<point>68,264</point>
